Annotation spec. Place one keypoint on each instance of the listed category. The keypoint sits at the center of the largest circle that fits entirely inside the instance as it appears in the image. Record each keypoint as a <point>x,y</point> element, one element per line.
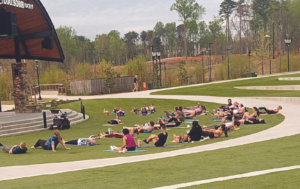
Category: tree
<point>182,73</point>
<point>187,10</point>
<point>101,48</point>
<point>66,37</point>
<point>115,46</point>
<point>131,38</point>
<point>170,29</point>
<point>159,29</point>
<point>143,37</point>
<point>227,8</point>
<point>261,9</point>
<point>109,78</point>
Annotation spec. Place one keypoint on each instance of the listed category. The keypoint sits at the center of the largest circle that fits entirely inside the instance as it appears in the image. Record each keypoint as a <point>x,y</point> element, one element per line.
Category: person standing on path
<point>136,84</point>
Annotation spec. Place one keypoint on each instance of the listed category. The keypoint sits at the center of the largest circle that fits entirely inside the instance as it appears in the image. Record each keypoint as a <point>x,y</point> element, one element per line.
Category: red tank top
<point>130,141</point>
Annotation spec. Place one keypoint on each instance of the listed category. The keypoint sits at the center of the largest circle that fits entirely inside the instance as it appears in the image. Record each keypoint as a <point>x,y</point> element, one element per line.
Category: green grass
<point>182,169</point>
<point>94,108</point>
<point>285,179</point>
<point>227,89</point>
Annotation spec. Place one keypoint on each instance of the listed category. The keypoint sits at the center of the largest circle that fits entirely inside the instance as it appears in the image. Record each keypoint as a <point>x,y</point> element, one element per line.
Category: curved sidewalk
<point>14,172</point>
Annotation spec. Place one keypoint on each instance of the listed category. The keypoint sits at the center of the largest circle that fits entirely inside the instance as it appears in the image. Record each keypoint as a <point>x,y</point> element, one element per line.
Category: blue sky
<point>91,17</point>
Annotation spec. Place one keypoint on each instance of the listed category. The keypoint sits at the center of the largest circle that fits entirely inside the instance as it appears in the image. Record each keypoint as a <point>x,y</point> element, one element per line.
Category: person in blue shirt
<point>16,149</point>
<point>51,143</point>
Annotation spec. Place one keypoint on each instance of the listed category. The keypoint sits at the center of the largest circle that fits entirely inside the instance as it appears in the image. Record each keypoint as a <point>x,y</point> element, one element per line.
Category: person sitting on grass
<point>143,129</point>
<point>225,114</point>
<point>224,108</point>
<point>128,143</point>
<point>135,111</point>
<point>120,113</point>
<point>152,108</point>
<point>269,111</point>
<point>91,141</point>
<point>171,115</point>
<point>51,143</point>
<point>216,133</point>
<point>144,110</point>
<point>115,121</point>
<point>175,122</point>
<point>16,149</point>
<point>115,110</point>
<point>253,116</point>
<point>159,140</point>
<point>194,134</point>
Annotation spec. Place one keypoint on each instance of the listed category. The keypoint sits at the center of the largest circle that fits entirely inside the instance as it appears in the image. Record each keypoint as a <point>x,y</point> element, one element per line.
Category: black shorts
<point>131,149</point>
<point>158,144</point>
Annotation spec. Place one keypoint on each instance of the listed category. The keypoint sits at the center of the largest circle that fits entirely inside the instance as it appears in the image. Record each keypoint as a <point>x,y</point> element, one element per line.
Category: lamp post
<point>288,42</point>
<point>203,51</point>
<point>268,37</point>
<point>153,58</point>
<point>249,54</point>
<point>38,77</point>
<point>228,63</point>
<point>210,61</point>
<point>158,57</point>
<point>279,61</point>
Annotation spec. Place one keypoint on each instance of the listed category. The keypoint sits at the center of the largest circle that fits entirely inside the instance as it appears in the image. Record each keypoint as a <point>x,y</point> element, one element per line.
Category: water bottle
<point>109,130</point>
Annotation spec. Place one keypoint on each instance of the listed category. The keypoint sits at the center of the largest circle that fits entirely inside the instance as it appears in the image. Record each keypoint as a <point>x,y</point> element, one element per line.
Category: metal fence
<point>97,86</point>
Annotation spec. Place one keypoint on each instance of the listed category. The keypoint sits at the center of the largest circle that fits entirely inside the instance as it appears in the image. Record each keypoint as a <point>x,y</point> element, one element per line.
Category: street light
<point>228,62</point>
<point>156,55</point>
<point>268,37</point>
<point>209,48</point>
<point>279,61</point>
<point>38,77</point>
<point>288,42</point>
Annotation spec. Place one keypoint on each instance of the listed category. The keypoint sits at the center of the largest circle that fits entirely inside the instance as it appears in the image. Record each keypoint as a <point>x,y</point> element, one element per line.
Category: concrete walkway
<point>14,172</point>
<point>245,175</point>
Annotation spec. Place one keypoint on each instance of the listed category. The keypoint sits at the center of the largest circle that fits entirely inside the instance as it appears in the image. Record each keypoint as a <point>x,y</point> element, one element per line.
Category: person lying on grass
<point>51,143</point>
<point>216,133</point>
<point>135,111</point>
<point>252,121</point>
<point>128,143</point>
<point>115,121</point>
<point>158,140</point>
<point>194,134</point>
<point>16,149</point>
<point>83,141</point>
<point>270,111</point>
<point>189,114</point>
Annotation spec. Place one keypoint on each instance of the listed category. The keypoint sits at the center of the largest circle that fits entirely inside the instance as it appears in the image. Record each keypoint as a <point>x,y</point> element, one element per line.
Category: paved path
<point>245,175</point>
<point>14,172</point>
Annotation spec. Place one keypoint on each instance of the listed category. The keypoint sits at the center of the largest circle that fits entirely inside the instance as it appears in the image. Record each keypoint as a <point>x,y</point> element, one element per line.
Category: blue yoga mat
<point>219,120</point>
<point>136,151</point>
<point>145,115</point>
<point>189,120</point>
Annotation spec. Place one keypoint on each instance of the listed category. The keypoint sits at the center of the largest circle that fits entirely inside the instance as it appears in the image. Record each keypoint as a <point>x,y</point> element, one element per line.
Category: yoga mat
<point>136,151</point>
<point>77,145</point>
<point>189,121</point>
<point>219,120</point>
<point>168,146</point>
<point>145,115</point>
<point>109,125</point>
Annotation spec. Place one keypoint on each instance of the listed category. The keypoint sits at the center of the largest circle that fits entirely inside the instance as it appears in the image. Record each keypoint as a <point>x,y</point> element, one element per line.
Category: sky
<point>92,17</point>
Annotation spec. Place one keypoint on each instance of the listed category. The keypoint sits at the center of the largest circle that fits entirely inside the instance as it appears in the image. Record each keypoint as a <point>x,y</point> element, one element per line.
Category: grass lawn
<point>185,168</point>
<point>94,108</point>
<point>278,180</point>
<point>227,89</point>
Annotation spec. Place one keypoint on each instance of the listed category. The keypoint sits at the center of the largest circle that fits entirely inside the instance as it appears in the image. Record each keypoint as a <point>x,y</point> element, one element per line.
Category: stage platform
<point>12,124</point>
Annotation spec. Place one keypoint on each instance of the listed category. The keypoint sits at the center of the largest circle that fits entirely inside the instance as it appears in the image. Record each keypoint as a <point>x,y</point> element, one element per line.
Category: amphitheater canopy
<point>32,35</point>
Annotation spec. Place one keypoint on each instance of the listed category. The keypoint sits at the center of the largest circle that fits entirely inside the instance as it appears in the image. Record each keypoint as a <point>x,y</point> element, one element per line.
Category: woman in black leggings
<point>269,111</point>
<point>115,121</point>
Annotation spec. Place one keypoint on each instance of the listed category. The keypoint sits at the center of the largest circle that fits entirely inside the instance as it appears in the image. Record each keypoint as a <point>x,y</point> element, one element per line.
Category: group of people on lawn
<point>235,113</point>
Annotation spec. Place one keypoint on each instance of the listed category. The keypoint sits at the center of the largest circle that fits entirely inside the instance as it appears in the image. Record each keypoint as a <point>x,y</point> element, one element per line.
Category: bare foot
<point>33,147</point>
